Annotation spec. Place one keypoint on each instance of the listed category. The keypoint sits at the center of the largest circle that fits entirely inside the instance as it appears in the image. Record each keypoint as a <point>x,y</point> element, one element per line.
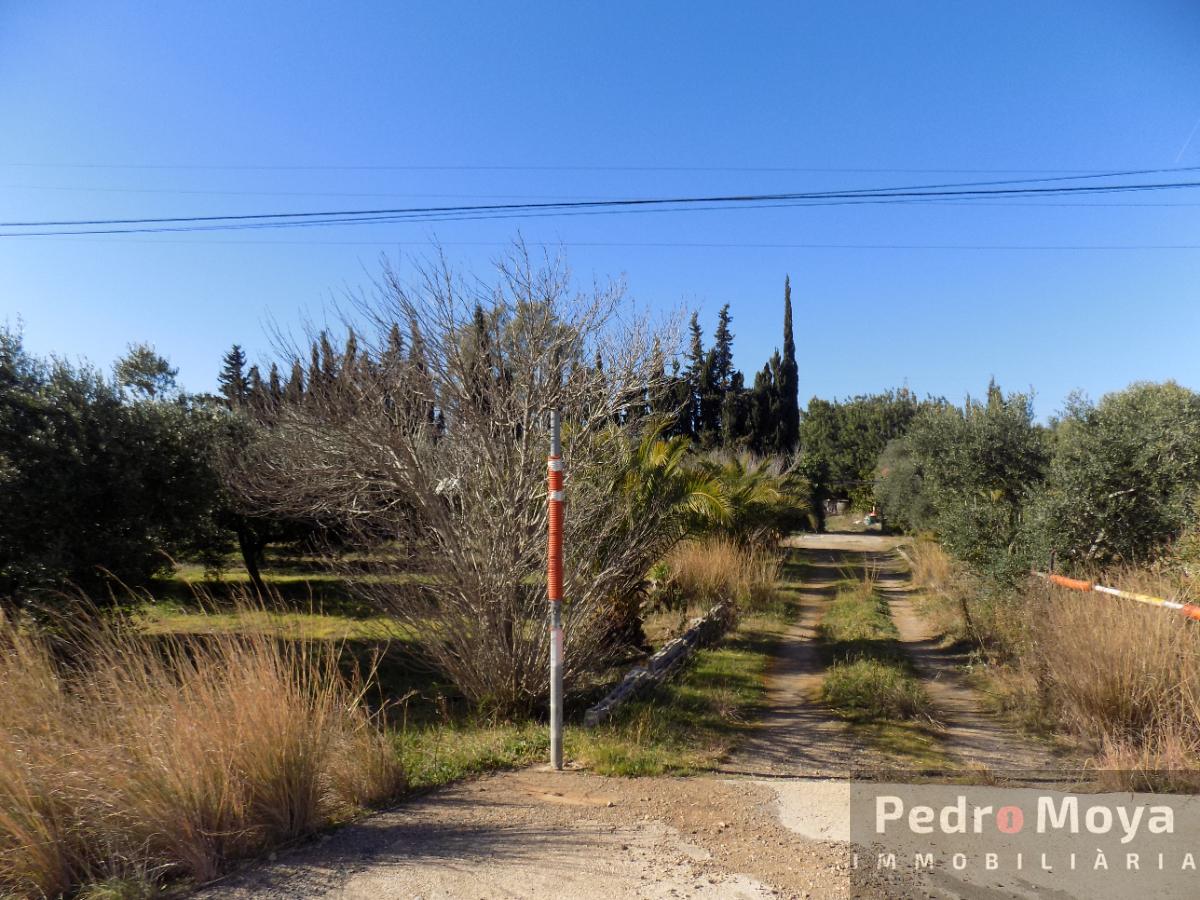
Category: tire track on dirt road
<point>796,735</point>
<point>978,739</point>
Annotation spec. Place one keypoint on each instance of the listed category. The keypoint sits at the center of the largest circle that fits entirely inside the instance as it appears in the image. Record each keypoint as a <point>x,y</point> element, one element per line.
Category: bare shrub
<point>433,444</point>
<point>124,755</point>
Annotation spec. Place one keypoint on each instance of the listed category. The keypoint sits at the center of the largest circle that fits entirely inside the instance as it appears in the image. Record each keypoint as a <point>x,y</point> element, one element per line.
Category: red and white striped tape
<point>1191,610</point>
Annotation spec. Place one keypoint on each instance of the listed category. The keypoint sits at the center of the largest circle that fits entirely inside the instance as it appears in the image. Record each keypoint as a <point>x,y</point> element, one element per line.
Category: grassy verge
<point>1114,679</point>
<point>689,724</point>
<point>869,678</point>
<point>169,617</point>
<point>686,726</point>
<point>308,710</point>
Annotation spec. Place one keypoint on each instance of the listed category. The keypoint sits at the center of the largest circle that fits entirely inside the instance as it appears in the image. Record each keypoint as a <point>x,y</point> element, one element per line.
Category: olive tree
<point>977,466</point>
<point>1123,476</point>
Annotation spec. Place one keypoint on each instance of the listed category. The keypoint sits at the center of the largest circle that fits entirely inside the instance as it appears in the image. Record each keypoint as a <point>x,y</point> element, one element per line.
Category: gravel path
<point>796,736</point>
<point>565,834</point>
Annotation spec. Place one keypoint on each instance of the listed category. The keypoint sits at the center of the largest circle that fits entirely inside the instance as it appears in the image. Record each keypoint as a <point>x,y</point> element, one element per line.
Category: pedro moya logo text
<point>1049,815</point>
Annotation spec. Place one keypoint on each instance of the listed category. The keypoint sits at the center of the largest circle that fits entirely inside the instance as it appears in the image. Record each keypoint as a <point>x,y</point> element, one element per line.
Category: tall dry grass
<point>1124,676</point>
<point>716,568</point>
<point>127,756</point>
<point>965,607</point>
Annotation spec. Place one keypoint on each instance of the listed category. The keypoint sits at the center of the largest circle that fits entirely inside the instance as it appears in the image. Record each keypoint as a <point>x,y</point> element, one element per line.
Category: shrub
<point>977,466</point>
<point>761,498</point>
<point>899,489</point>
<point>94,480</point>
<point>123,755</point>
<point>432,439</point>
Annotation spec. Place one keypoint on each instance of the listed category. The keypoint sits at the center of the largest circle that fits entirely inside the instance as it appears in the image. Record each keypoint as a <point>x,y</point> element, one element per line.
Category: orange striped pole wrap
<point>554,584</point>
<point>554,514</point>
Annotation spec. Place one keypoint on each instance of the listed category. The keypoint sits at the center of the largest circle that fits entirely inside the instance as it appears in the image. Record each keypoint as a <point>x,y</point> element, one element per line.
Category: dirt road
<point>776,821</point>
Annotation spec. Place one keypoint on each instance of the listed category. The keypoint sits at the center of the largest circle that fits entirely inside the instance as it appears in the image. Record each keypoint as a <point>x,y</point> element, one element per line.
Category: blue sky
<point>138,109</point>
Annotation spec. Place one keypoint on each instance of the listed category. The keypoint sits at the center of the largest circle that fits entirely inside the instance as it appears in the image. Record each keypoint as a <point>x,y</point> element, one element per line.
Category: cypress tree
<point>708,423</point>
<point>679,402</point>
<point>723,350</point>
<point>419,369</point>
<point>657,391</point>
<point>255,390</point>
<point>294,391</point>
<point>761,426</point>
<point>735,412</point>
<point>789,379</point>
<point>232,379</point>
<point>393,353</point>
<point>695,370</point>
<point>315,382</point>
<point>721,376</point>
<point>329,361</point>
<point>777,437</point>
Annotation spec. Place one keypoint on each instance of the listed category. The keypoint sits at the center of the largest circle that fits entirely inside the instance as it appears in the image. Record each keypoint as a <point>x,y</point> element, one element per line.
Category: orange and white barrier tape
<point>1191,610</point>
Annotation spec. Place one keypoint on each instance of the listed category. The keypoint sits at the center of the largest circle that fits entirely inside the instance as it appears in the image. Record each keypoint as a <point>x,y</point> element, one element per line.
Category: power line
<point>417,167</point>
<point>697,245</point>
<point>205,192</point>
<point>913,193</point>
<point>80,189</point>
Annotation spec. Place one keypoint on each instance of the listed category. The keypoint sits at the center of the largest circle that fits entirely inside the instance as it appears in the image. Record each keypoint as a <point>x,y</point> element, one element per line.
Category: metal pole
<point>554,468</point>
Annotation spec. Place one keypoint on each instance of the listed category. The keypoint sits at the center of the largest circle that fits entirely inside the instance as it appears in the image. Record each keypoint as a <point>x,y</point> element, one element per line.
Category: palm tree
<point>761,496</point>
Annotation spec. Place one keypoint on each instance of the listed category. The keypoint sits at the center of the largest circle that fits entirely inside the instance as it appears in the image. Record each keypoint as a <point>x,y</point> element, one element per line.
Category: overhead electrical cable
<point>464,212</point>
<point>451,167</point>
<point>697,245</point>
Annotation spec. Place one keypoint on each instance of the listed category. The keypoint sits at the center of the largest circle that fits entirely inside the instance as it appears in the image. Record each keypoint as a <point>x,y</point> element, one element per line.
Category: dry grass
<point>126,756</point>
<point>716,568</point>
<point>1124,676</point>
<point>965,607</point>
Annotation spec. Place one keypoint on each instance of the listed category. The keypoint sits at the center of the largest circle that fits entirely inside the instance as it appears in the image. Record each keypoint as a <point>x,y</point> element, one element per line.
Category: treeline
<point>103,477</point>
<point>107,478</point>
<point>841,440</point>
<point>703,397</point>
<point>1103,483</point>
<point>712,403</point>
